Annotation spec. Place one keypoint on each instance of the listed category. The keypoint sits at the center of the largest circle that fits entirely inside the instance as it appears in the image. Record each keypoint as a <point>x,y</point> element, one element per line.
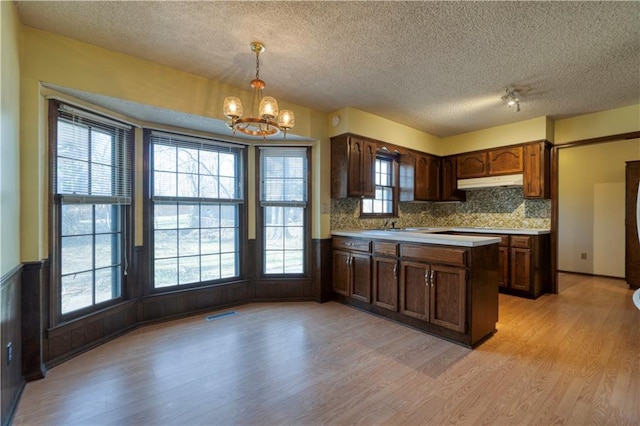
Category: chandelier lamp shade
<point>267,119</point>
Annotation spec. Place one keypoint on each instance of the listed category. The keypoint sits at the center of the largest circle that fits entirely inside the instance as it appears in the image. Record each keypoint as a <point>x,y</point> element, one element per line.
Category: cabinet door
<point>536,171</point>
<point>407,177</point>
<point>427,180</point>
<point>361,277</point>
<point>448,297</point>
<point>385,283</point>
<point>354,174</point>
<point>361,173</point>
<point>341,272</point>
<point>521,269</point>
<point>503,266</point>
<point>505,161</point>
<point>471,165</point>
<point>632,243</point>
<point>414,289</point>
<point>449,181</point>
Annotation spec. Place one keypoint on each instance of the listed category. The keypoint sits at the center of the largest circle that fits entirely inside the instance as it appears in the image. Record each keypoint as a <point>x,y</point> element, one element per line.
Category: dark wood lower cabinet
<point>352,275</point>
<point>524,263</point>
<point>341,272</point>
<point>385,283</point>
<point>447,291</point>
<point>361,277</point>
<point>448,297</point>
<point>503,266</point>
<point>521,269</point>
<point>414,289</point>
<point>434,293</point>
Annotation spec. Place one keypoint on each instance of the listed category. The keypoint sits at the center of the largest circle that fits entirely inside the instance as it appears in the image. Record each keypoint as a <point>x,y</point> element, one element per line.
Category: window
<point>196,198</point>
<point>284,187</point>
<point>384,203</point>
<point>91,185</point>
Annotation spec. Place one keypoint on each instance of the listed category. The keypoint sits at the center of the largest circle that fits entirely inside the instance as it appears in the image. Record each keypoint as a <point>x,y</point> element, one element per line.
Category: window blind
<point>187,168</point>
<point>283,176</point>
<point>93,159</point>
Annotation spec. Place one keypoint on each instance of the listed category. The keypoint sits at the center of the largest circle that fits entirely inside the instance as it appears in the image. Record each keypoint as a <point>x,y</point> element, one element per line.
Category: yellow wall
<point>604,123</point>
<point>534,129</point>
<point>364,124</point>
<point>591,206</point>
<point>9,138</point>
<point>68,63</point>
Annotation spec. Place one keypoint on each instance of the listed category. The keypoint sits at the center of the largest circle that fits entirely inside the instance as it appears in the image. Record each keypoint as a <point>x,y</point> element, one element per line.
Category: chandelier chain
<point>257,65</point>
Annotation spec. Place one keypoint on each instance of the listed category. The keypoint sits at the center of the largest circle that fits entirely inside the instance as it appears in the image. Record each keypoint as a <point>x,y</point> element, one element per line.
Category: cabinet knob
<point>433,277</point>
<point>395,271</point>
<point>426,278</point>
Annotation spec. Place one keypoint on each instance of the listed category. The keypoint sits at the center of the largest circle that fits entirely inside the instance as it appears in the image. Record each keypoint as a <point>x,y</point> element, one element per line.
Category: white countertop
<point>517,231</point>
<point>432,235</point>
<point>420,237</point>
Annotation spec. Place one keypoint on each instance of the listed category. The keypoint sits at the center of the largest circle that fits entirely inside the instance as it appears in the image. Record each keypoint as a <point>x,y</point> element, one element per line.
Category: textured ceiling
<point>440,67</point>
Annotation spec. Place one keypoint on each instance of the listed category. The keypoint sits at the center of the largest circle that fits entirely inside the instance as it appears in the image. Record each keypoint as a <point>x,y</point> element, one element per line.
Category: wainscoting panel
<point>284,289</point>
<point>12,381</point>
<point>186,302</point>
<point>35,314</point>
<point>69,339</point>
<point>322,270</point>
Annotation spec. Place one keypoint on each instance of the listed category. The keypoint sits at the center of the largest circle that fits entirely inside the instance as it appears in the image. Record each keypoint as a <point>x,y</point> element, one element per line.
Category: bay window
<point>283,198</point>
<point>196,205</point>
<point>91,197</point>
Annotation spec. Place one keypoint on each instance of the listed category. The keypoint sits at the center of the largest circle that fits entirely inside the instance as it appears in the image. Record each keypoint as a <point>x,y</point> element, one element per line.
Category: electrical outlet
<point>583,256</point>
<point>9,353</point>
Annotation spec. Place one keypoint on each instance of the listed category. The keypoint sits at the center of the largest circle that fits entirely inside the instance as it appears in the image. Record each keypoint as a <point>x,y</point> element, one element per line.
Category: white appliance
<point>490,182</point>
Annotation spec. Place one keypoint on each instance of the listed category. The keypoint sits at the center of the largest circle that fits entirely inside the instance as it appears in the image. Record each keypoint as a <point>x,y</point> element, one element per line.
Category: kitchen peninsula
<point>445,285</point>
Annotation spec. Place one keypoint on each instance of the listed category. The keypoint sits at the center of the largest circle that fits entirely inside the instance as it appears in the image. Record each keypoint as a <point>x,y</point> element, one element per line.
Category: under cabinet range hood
<point>490,182</point>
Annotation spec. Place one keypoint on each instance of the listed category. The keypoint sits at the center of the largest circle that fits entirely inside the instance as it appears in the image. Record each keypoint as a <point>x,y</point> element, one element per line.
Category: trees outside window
<point>196,199</point>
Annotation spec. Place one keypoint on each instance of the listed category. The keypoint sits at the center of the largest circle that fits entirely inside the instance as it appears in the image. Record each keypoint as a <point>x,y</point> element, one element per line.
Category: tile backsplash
<point>491,207</point>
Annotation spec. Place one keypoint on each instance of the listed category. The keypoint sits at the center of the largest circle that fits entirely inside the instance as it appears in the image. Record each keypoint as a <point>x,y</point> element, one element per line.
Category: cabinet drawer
<point>385,248</point>
<point>434,254</point>
<point>504,240</point>
<point>354,244</point>
<point>520,241</point>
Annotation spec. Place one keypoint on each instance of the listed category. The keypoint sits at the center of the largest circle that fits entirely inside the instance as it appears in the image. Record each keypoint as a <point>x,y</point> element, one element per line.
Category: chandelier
<point>267,119</point>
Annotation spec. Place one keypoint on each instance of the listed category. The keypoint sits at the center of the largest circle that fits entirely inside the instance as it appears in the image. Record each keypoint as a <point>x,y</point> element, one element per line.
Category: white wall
<point>591,207</point>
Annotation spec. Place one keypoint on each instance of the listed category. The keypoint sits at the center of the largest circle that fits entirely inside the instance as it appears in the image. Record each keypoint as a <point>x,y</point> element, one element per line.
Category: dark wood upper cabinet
<point>353,160</point>
<point>472,165</point>
<point>537,167</point>
<point>532,160</point>
<point>419,177</point>
<point>505,161</point>
<point>448,180</point>
<point>427,177</point>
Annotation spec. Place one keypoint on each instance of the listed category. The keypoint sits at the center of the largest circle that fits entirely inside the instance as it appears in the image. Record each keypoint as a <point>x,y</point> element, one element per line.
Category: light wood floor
<point>572,358</point>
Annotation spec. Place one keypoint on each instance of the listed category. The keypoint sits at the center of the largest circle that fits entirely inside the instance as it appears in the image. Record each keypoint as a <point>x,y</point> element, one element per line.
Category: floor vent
<point>221,315</point>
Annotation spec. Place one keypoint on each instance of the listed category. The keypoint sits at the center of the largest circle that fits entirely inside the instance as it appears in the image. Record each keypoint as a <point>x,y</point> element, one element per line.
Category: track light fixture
<point>512,97</point>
